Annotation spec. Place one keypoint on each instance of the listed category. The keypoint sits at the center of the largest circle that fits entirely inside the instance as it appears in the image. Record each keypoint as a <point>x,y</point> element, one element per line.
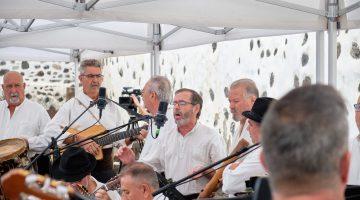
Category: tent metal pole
<point>332,43</point>
<point>76,58</point>
<point>155,54</point>
<point>320,58</point>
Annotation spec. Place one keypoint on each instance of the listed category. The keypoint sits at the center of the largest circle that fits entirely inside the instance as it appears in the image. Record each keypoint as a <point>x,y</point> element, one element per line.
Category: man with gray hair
<point>138,181</point>
<point>91,79</point>
<point>157,89</point>
<point>305,136</point>
<point>242,95</point>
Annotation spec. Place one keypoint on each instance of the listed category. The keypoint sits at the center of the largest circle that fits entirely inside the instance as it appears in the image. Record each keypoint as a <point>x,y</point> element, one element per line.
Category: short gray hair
<point>161,86</point>
<point>304,137</point>
<point>89,63</point>
<point>248,84</point>
<point>141,172</point>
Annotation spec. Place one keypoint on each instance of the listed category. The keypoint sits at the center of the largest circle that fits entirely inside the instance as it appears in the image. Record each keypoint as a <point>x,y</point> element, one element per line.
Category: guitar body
<point>92,131</point>
<point>212,185</point>
<point>15,182</point>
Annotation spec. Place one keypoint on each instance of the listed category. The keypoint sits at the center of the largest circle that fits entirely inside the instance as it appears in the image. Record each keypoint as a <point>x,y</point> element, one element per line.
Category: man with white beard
<point>20,117</point>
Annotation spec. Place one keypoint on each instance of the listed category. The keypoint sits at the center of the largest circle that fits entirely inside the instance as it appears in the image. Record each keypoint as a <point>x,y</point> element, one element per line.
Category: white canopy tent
<point>154,25</point>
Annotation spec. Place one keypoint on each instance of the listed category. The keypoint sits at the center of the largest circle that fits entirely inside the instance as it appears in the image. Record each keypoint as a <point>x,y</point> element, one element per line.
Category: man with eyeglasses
<point>91,79</point>
<point>354,173</point>
<point>20,117</point>
<point>189,146</point>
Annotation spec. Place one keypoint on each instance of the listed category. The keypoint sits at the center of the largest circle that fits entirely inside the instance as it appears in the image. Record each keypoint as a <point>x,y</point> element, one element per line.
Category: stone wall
<point>276,64</point>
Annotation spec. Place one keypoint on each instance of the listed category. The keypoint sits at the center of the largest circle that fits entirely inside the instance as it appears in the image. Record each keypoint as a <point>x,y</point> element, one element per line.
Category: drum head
<point>10,148</point>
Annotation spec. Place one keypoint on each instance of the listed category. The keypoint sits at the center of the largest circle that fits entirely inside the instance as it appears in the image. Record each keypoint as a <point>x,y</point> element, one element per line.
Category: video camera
<point>126,101</point>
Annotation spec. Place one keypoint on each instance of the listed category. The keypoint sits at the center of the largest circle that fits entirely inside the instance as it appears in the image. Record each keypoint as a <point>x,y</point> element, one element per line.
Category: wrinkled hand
<point>126,155</point>
<point>141,109</point>
<point>195,169</point>
<point>90,147</point>
<point>142,135</point>
<point>102,195</point>
<point>234,165</point>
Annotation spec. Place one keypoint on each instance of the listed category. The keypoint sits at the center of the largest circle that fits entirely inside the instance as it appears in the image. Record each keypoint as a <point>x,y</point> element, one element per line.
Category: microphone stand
<point>53,143</point>
<point>176,183</point>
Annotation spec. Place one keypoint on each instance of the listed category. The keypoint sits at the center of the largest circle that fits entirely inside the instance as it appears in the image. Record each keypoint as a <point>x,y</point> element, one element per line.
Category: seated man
<point>235,175</point>
<point>354,173</point>
<point>138,182</point>
<point>305,145</point>
<point>22,118</point>
<point>74,167</point>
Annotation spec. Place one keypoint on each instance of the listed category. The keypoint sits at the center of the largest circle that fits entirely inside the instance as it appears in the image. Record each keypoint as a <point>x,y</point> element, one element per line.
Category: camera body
<point>126,101</point>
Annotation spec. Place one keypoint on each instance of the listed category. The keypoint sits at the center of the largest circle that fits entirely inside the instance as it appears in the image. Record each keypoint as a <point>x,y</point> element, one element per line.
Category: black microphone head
<point>163,105</point>
<point>160,117</point>
<point>102,98</point>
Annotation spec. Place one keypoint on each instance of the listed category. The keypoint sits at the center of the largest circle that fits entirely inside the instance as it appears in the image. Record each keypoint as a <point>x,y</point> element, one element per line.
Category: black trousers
<point>104,169</point>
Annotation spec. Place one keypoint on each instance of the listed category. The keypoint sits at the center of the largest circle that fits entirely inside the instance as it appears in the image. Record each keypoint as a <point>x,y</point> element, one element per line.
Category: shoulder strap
<point>92,114</point>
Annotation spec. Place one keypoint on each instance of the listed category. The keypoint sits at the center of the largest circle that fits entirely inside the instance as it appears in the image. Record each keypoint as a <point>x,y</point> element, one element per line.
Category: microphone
<point>160,117</point>
<point>101,102</point>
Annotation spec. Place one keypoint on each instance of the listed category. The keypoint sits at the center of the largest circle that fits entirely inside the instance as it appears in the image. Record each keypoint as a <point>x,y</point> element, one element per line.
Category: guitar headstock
<point>19,181</point>
<point>113,183</point>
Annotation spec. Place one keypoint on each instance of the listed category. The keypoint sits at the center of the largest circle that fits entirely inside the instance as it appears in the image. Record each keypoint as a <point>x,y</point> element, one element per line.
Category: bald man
<point>20,117</point>
<point>354,173</point>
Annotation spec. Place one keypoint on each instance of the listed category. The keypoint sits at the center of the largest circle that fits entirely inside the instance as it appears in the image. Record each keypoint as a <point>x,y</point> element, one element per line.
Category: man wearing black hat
<point>235,175</point>
<point>74,167</point>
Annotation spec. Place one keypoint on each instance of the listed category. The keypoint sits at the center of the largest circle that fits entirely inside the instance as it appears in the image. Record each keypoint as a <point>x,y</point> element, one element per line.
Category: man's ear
<point>145,188</point>
<point>345,166</point>
<point>197,108</point>
<point>24,85</point>
<point>263,162</point>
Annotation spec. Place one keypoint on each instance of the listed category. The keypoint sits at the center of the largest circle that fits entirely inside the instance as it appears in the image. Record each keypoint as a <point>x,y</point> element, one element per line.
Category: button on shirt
<point>234,180</point>
<point>179,155</point>
<point>28,121</point>
<point>72,109</point>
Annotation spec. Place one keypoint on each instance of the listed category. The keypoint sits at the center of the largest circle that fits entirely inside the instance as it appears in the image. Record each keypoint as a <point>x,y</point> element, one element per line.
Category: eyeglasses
<point>93,76</point>
<point>181,103</point>
<point>357,107</point>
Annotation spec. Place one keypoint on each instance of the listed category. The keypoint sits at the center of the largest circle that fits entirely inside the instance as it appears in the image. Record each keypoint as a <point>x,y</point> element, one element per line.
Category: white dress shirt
<point>28,121</point>
<point>234,180</point>
<point>72,109</point>
<point>179,155</point>
<point>244,134</point>
<point>354,172</point>
<point>150,140</point>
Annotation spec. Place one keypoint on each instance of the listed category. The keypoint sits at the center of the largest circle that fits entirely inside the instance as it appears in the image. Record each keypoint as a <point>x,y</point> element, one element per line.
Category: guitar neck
<point>108,139</point>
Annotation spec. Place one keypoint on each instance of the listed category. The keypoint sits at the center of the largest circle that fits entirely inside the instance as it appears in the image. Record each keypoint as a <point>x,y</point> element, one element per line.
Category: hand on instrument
<point>90,147</point>
<point>142,110</point>
<point>126,155</point>
<point>102,195</point>
<point>195,169</point>
<point>142,135</point>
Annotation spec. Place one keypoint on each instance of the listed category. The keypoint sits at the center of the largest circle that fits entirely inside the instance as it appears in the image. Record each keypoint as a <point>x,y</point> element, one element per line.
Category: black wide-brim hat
<point>73,165</point>
<point>259,109</point>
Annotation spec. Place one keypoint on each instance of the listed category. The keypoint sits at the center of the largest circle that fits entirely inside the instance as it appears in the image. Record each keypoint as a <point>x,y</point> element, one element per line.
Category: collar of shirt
<point>17,107</point>
<point>85,99</point>
<point>192,130</point>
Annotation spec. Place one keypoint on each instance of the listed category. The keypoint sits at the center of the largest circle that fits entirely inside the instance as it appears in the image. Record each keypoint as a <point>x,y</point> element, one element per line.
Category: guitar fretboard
<point>108,139</point>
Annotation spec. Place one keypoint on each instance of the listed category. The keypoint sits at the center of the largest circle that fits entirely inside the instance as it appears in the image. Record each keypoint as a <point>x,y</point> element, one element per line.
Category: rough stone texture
<point>207,70</point>
<point>304,59</point>
<point>355,51</point>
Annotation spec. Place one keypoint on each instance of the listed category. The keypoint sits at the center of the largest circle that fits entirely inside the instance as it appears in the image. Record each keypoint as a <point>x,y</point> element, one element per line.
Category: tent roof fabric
<point>117,28</point>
